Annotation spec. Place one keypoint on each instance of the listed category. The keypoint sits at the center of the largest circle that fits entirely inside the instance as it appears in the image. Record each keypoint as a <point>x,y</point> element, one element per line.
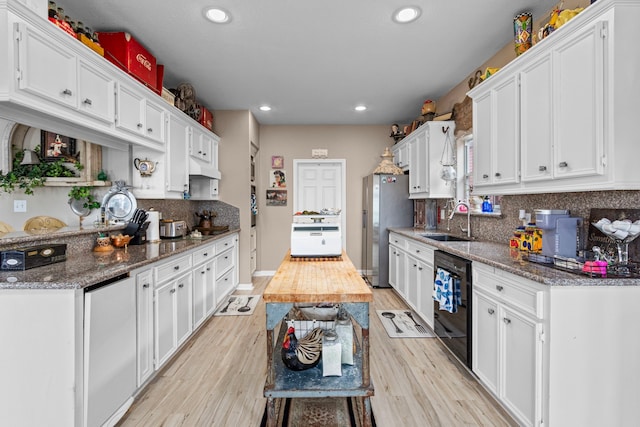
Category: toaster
<point>172,229</point>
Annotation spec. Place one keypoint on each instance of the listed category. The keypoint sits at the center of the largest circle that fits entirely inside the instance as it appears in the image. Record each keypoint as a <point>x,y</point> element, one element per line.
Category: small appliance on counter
<point>559,233</point>
<point>316,240</point>
<point>31,257</point>
<point>170,229</point>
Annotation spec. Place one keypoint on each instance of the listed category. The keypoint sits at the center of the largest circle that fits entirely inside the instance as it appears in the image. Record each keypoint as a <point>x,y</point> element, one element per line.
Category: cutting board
<point>597,238</point>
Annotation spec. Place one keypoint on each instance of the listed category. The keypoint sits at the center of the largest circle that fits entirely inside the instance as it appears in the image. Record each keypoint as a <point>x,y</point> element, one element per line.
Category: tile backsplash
<point>500,229</point>
<point>185,210</point>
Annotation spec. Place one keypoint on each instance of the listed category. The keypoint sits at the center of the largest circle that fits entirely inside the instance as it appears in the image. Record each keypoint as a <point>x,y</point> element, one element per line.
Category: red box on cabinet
<point>206,118</point>
<point>127,53</point>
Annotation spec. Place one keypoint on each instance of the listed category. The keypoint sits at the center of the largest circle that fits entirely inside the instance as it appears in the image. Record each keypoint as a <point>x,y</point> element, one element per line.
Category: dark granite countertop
<point>80,271</point>
<point>501,256</point>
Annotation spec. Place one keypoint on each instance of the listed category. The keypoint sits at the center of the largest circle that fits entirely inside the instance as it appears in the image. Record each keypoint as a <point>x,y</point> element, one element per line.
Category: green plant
<point>84,193</point>
<point>28,177</point>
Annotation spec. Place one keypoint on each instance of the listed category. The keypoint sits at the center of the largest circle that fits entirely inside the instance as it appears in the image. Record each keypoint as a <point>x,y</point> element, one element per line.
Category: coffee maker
<point>559,232</point>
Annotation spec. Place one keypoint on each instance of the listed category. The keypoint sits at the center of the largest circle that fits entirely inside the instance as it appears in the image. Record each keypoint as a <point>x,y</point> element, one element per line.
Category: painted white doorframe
<point>341,189</point>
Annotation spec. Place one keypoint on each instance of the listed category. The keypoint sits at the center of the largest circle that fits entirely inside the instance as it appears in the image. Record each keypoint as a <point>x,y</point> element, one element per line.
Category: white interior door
<point>320,184</point>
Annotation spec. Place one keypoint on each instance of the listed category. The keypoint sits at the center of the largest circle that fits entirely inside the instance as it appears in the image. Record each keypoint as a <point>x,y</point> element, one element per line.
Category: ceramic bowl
<point>120,240</point>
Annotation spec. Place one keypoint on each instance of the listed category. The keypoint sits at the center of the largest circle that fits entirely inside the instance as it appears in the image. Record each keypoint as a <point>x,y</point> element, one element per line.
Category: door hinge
<point>541,336</point>
<point>603,30</point>
<point>18,32</point>
<point>18,74</point>
<point>604,160</point>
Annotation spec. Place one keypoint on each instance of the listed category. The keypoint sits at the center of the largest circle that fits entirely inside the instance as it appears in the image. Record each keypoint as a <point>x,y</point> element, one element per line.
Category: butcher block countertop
<point>317,280</point>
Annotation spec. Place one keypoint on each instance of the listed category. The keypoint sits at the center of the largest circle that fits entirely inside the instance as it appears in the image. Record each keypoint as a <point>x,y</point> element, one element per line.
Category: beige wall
<point>235,129</point>
<point>361,146</point>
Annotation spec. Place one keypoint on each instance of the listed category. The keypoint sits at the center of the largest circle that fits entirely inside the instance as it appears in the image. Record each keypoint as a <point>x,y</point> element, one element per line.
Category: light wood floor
<point>218,378</point>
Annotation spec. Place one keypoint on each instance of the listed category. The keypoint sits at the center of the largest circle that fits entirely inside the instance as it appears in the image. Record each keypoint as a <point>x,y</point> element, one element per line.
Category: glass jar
<point>344,329</point>
<point>331,354</point>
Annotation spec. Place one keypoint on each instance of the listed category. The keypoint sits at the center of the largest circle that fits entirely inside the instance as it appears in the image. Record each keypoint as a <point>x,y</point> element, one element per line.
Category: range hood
<point>199,168</point>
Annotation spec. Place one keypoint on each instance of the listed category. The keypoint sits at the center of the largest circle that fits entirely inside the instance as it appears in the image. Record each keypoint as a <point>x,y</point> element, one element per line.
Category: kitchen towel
<point>447,291</point>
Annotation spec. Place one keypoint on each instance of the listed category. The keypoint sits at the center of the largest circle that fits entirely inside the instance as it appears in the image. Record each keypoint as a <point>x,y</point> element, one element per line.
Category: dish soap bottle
<point>486,205</point>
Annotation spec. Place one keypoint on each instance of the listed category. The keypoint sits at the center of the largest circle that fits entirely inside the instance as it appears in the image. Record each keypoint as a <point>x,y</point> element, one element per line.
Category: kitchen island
<point>326,280</point>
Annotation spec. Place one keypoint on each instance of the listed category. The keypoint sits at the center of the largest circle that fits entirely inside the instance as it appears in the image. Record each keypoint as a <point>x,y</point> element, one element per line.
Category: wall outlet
<point>19,205</point>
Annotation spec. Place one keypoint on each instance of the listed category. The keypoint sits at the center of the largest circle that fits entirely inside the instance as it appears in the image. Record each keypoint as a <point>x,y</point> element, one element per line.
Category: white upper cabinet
<point>45,68</point>
<point>139,115</point>
<point>495,124</point>
<point>425,148</point>
<point>557,118</point>
<point>95,90</point>
<point>51,81</point>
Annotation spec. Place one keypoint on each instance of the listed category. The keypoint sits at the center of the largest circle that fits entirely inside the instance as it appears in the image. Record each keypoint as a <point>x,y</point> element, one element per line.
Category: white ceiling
<point>313,61</point>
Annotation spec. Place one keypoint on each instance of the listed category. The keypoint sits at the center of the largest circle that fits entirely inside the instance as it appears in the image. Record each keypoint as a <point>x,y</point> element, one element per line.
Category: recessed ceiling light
<point>406,14</point>
<point>265,108</point>
<point>217,15</point>
<point>360,108</point>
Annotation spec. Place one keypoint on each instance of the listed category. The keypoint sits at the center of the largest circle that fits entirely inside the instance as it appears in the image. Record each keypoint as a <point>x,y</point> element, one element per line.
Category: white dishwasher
<point>109,350</point>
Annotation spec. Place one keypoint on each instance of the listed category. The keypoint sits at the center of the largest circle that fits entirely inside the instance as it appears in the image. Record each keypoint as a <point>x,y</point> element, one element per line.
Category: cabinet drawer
<point>173,268</point>
<point>512,290</point>
<point>224,261</point>
<point>203,254</point>
<point>397,240</point>
<point>224,244</point>
<point>420,251</point>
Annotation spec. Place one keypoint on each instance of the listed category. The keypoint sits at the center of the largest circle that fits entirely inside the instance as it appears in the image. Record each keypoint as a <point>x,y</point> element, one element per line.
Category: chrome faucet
<point>453,212</point>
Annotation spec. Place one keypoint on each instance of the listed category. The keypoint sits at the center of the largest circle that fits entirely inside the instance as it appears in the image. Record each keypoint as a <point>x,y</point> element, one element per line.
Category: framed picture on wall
<point>277,162</point>
<point>54,146</point>
<point>277,178</point>
<point>276,197</point>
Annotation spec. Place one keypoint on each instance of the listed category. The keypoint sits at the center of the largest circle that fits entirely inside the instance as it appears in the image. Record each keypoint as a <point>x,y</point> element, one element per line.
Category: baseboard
<point>245,287</point>
<point>264,273</point>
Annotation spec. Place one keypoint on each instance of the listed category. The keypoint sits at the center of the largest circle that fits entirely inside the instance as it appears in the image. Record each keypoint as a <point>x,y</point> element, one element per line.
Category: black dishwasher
<point>452,323</point>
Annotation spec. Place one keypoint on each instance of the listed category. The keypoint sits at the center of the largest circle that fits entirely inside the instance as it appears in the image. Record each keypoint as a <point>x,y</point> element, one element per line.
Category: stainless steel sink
<point>445,238</point>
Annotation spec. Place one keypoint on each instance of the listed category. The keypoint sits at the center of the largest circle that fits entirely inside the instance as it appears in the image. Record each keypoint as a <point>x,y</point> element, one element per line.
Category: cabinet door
<point>177,149</point>
<point>199,295</point>
<point>401,273</point>
<point>578,95</point>
<point>184,305</point>
<point>154,122</point>
<point>144,284</point>
<point>506,133</point>
<point>521,365</point>
<point>413,279</point>
<point>130,110</point>
<point>536,123</point>
<point>96,93</point>
<point>165,323</point>
<point>482,140</point>
<point>485,340</point>
<point>46,69</point>
<point>418,186</point>
<point>425,292</point>
<point>400,157</point>
<point>393,267</point>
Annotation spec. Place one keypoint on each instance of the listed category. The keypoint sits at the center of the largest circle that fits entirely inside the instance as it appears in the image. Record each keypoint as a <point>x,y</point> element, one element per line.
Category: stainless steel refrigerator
<point>385,203</point>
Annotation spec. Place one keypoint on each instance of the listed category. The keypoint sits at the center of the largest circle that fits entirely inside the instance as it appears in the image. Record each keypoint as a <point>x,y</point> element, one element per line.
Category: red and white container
<point>127,53</point>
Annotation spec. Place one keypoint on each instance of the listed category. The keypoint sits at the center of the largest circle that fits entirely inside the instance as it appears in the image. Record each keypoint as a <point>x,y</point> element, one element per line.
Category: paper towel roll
<point>153,232</point>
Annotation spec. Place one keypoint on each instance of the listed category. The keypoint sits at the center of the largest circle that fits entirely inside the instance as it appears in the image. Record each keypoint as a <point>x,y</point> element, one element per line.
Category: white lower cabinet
<point>204,277</point>
<point>144,329</point>
<point>173,307</point>
<point>411,274</point>
<point>508,326</point>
